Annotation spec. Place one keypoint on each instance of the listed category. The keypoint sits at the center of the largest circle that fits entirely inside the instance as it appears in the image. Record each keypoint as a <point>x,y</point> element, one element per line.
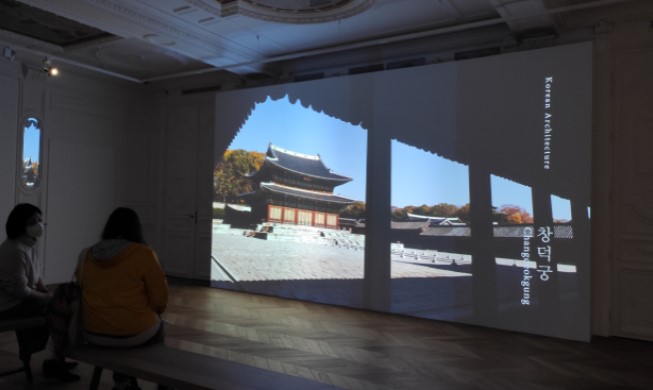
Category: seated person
<point>124,289</point>
<point>22,291</point>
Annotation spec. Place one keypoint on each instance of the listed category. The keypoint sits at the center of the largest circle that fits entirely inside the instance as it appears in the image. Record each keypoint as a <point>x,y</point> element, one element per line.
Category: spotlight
<point>49,69</point>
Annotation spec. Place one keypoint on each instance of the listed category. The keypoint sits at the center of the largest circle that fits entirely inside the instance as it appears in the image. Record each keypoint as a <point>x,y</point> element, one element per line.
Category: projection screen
<point>457,191</point>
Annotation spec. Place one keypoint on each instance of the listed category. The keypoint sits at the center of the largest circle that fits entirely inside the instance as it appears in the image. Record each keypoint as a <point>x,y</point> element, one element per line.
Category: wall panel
<point>8,143</point>
<point>632,203</point>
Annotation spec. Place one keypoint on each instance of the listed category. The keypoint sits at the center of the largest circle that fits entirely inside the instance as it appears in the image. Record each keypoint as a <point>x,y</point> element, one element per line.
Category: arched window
<point>30,165</point>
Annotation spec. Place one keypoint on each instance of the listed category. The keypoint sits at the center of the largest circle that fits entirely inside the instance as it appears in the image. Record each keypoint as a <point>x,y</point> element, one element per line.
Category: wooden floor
<point>354,349</point>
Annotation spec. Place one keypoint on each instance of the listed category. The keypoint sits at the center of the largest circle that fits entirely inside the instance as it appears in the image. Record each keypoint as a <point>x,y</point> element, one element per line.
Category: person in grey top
<point>22,291</point>
<point>20,280</point>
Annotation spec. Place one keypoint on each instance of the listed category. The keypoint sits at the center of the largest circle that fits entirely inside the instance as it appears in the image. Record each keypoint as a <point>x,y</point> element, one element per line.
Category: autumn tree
<point>398,214</point>
<point>354,211</point>
<point>498,217</point>
<point>229,179</point>
<point>445,210</point>
<point>464,213</point>
<point>514,215</point>
<point>423,210</point>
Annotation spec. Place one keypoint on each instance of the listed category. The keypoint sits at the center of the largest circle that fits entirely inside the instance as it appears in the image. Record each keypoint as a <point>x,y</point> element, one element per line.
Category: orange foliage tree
<point>515,215</point>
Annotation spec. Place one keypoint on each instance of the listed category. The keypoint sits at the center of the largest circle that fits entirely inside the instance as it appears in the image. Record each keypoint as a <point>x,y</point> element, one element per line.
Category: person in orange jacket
<point>124,288</point>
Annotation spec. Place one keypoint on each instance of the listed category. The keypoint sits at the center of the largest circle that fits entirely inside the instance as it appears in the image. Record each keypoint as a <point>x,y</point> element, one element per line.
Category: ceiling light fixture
<point>49,69</point>
<point>77,64</point>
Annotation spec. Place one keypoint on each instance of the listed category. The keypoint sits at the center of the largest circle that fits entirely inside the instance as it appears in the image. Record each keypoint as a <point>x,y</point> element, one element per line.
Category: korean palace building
<point>296,188</point>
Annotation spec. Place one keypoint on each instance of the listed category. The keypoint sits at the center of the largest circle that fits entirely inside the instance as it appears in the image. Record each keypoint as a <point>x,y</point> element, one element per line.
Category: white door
<point>180,182</point>
<point>632,269</point>
<point>188,185</point>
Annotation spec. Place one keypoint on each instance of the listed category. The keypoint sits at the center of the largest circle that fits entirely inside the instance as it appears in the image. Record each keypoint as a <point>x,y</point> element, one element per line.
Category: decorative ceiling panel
<point>45,26</point>
<point>154,40</point>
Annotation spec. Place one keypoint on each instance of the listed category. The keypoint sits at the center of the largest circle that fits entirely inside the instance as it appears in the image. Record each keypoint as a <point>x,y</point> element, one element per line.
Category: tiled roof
<point>512,231</point>
<point>305,194</point>
<point>305,164</point>
<point>412,225</point>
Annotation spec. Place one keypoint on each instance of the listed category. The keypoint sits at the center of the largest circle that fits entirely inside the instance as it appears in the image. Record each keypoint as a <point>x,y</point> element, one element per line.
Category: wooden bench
<point>12,324</point>
<point>183,370</point>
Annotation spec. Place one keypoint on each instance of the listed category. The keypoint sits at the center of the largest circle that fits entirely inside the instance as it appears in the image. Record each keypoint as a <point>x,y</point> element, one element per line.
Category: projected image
<point>512,204</point>
<point>482,202</point>
<point>430,212</point>
<point>289,206</point>
<point>476,200</point>
<point>430,220</point>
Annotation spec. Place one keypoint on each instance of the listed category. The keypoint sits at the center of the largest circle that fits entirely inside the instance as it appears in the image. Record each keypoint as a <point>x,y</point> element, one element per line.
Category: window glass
<point>31,159</point>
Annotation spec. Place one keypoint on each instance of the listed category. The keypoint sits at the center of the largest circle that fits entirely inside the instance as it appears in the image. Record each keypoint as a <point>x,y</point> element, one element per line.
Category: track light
<point>49,69</point>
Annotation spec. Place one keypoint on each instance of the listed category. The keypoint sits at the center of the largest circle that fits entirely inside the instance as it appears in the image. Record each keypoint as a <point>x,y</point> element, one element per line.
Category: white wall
<point>622,216</point>
<point>8,133</point>
<point>98,152</point>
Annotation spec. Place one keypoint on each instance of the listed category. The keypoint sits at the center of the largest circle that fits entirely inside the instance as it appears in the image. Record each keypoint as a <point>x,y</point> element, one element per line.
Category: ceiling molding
<point>139,26</point>
<point>300,12</point>
<point>155,40</point>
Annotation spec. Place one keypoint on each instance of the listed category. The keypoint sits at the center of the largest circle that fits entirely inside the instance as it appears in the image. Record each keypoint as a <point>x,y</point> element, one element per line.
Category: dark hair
<point>17,220</point>
<point>123,223</point>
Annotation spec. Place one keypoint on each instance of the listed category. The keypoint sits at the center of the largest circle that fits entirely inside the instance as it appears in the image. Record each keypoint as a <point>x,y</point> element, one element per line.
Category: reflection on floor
<point>355,349</point>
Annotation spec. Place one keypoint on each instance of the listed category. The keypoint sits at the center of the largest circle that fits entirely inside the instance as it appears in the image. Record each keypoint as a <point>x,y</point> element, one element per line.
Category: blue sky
<point>343,149</point>
<point>31,140</point>
<point>508,192</point>
<point>420,177</point>
<point>341,145</point>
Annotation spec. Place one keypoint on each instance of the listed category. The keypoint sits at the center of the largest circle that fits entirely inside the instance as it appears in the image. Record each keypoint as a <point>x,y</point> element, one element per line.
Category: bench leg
<point>28,368</point>
<point>97,375</point>
<point>95,381</point>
